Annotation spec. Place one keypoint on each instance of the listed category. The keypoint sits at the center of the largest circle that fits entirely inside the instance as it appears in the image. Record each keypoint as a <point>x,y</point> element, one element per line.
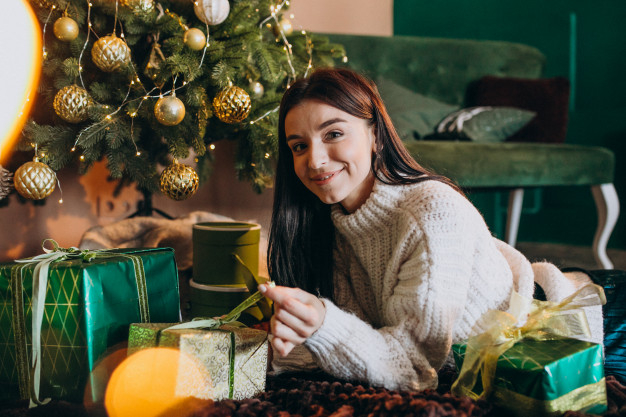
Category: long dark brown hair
<point>302,233</point>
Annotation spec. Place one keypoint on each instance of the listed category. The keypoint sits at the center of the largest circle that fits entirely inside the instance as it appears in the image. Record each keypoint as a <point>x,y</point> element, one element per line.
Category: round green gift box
<point>214,247</point>
<point>217,300</point>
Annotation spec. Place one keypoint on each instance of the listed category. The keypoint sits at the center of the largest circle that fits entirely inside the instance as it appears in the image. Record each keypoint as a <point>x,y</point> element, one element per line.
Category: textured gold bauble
<point>71,104</point>
<point>257,89</point>
<point>65,29</point>
<point>178,181</point>
<point>144,6</point>
<point>211,12</point>
<point>110,53</point>
<point>194,38</point>
<point>169,110</point>
<point>34,180</point>
<point>232,104</point>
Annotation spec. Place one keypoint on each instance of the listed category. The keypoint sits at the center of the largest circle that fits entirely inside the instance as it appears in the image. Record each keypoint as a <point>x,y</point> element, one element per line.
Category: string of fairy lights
<point>282,28</point>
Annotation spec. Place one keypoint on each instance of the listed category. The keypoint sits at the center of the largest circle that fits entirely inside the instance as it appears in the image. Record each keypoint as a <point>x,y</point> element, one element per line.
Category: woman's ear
<point>373,138</point>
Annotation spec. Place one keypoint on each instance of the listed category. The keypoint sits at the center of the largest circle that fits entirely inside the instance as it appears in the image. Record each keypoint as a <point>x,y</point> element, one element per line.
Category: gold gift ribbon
<point>580,399</point>
<point>546,320</point>
<point>32,379</point>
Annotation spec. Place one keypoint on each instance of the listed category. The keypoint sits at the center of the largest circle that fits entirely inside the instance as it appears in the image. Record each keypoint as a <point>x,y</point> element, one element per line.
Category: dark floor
<point>569,256</point>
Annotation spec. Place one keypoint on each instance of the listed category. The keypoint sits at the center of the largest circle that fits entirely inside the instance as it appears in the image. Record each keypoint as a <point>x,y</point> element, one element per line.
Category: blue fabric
<point>614,284</point>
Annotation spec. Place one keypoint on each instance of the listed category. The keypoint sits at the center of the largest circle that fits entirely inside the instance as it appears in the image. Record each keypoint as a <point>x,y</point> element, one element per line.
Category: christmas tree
<point>144,83</point>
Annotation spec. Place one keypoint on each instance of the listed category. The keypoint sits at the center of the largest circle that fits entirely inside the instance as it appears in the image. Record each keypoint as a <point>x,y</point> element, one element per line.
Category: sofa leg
<point>516,198</point>
<point>607,205</point>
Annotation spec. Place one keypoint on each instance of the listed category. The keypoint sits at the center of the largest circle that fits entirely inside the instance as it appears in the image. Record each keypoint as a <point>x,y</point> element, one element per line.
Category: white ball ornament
<point>212,12</point>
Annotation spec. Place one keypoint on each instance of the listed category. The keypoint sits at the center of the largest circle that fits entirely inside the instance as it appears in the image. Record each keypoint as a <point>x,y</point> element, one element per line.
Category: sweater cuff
<point>337,327</point>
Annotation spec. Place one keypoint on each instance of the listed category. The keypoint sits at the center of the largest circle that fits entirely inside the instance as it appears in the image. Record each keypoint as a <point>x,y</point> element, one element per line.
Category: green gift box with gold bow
<point>532,361</point>
<point>62,313</point>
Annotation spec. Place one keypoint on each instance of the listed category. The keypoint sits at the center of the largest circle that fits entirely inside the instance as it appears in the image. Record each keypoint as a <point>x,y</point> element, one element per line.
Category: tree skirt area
<point>320,395</point>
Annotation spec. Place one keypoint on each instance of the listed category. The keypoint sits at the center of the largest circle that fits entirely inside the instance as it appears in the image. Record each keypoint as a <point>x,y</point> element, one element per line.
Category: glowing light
<point>211,146</point>
<point>138,153</point>
<point>267,156</point>
<point>82,157</point>
<point>60,201</point>
<point>24,46</point>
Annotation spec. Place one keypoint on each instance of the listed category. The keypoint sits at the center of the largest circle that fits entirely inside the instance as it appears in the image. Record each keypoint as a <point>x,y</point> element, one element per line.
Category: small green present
<point>231,360</point>
<point>531,360</point>
<point>88,302</point>
<point>549,377</point>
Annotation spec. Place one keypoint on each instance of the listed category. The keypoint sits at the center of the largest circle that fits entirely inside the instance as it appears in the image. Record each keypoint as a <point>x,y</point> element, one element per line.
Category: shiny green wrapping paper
<point>88,309</point>
<point>549,377</point>
<point>232,359</point>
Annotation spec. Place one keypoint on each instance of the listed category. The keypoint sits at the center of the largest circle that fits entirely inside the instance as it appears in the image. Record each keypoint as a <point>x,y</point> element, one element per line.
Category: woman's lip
<point>324,178</point>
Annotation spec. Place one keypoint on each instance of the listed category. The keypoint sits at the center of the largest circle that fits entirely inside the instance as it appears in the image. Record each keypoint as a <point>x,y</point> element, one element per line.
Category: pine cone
<point>6,182</point>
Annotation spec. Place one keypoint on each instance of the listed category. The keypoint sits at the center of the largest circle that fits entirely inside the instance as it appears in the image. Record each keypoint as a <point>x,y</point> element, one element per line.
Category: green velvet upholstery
<point>439,68</point>
<point>512,165</point>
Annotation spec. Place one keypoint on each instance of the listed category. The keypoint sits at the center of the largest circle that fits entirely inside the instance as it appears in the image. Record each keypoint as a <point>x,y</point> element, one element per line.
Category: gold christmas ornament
<point>232,104</point>
<point>194,39</point>
<point>145,6</point>
<point>65,29</point>
<point>169,110</point>
<point>34,180</point>
<point>178,181</point>
<point>71,103</point>
<point>211,12</point>
<point>109,53</point>
<point>257,89</point>
<point>285,26</point>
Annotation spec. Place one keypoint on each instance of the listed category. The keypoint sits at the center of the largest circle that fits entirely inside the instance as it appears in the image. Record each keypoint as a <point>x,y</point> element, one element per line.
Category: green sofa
<point>443,69</point>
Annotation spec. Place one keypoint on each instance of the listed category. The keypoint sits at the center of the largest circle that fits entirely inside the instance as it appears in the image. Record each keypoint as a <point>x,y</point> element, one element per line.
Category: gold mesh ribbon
<point>545,320</point>
<point>32,378</point>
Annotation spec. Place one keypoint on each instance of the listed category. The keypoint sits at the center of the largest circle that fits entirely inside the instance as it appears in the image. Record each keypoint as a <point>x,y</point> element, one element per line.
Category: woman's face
<point>332,153</point>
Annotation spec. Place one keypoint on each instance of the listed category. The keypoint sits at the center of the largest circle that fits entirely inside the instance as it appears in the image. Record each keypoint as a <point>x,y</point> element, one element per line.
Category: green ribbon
<point>40,283</point>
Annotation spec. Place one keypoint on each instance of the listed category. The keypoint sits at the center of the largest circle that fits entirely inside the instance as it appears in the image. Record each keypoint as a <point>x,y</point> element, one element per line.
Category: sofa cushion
<point>548,97</point>
<point>509,164</point>
<point>413,114</point>
<point>482,124</point>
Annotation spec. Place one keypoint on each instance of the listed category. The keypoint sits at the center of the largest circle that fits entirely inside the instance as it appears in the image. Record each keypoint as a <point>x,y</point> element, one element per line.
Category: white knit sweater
<point>415,267</point>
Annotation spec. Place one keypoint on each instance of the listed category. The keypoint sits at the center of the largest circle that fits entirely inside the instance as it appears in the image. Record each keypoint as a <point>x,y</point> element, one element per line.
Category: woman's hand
<point>297,315</point>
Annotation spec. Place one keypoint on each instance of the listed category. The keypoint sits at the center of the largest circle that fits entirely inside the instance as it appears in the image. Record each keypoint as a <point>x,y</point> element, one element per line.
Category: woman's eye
<point>334,134</point>
<point>298,147</point>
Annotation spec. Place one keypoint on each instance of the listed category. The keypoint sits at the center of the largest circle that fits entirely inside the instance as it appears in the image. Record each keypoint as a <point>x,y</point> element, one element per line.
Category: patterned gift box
<point>231,359</point>
<point>90,300</point>
<point>548,377</point>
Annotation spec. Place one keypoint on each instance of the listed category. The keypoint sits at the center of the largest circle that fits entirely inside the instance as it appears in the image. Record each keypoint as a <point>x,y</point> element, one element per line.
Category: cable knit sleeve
<point>424,286</point>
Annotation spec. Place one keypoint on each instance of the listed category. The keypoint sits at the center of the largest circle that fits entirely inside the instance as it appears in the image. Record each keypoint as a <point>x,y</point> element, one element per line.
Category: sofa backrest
<point>436,67</point>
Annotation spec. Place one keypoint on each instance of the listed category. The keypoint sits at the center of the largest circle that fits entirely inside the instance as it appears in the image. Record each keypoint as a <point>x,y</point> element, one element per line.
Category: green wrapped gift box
<point>546,378</point>
<point>89,305</point>
<point>232,360</point>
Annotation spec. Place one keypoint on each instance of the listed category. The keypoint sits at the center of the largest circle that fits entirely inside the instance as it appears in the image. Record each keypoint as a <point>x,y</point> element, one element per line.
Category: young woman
<point>380,264</point>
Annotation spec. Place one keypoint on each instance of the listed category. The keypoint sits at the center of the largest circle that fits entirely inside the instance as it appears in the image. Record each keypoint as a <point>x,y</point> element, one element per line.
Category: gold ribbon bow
<point>40,284</point>
<point>545,320</point>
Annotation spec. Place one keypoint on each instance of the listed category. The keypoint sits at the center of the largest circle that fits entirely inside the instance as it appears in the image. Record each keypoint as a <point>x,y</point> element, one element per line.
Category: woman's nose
<point>318,156</point>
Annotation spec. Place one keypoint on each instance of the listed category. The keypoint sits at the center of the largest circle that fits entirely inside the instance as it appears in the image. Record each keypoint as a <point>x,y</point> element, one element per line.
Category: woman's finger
<point>285,332</point>
<point>281,346</point>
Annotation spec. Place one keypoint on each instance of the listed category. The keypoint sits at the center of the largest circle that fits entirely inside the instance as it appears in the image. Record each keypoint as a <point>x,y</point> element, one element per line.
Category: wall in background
<point>89,199</point>
<point>584,41</point>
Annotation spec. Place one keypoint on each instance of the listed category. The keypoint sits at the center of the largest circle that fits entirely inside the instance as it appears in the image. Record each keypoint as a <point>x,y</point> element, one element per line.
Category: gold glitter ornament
<point>194,39</point>
<point>178,181</point>
<point>145,6</point>
<point>71,104</point>
<point>65,29</point>
<point>110,53</point>
<point>169,110</point>
<point>34,180</point>
<point>211,12</point>
<point>232,104</point>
